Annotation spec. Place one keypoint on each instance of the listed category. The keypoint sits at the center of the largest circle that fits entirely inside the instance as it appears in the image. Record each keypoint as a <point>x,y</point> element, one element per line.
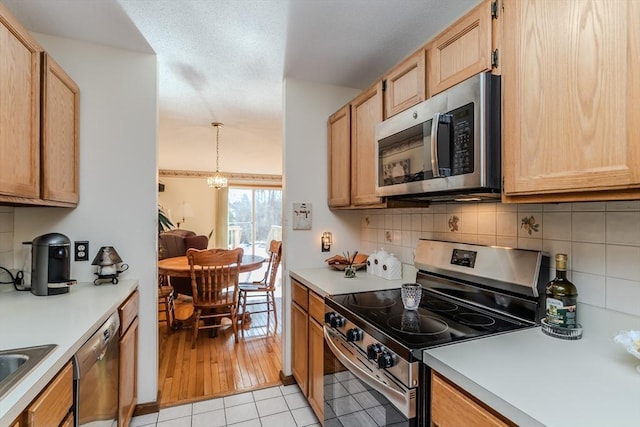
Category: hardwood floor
<point>218,366</point>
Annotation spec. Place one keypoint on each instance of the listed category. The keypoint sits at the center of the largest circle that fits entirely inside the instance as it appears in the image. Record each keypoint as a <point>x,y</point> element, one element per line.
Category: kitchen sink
<point>16,363</point>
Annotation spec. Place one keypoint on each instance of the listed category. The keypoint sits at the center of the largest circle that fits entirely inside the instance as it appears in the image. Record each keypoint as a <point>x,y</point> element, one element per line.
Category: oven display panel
<point>464,258</point>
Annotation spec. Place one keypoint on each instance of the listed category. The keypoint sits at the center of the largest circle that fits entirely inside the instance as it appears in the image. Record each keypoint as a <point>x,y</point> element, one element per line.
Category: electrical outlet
<point>81,251</point>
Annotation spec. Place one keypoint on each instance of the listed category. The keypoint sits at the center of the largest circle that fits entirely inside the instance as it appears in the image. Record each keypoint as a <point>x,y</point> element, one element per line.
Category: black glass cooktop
<point>437,321</point>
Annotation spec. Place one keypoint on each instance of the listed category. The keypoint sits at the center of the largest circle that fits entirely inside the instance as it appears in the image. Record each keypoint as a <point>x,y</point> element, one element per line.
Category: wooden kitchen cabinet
<point>60,134</point>
<point>316,354</point>
<point>366,113</point>
<point>39,118</point>
<point>339,156</point>
<point>299,344</point>
<point>463,49</point>
<point>571,97</point>
<point>69,421</point>
<point>54,404</point>
<point>128,384</point>
<point>452,407</point>
<point>405,85</point>
<point>352,151</point>
<point>307,318</point>
<point>19,110</point>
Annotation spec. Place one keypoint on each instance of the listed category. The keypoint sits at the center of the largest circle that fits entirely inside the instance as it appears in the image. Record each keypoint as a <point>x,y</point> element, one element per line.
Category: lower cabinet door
<point>451,407</point>
<point>53,405</point>
<point>299,346</point>
<point>316,368</point>
<point>128,387</point>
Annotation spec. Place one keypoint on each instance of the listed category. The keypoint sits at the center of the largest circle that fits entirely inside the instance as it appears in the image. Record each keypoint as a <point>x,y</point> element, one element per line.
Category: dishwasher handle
<point>96,346</point>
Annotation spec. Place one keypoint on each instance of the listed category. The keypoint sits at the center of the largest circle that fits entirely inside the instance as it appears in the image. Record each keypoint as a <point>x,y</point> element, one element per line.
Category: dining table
<point>178,269</point>
<point>179,266</point>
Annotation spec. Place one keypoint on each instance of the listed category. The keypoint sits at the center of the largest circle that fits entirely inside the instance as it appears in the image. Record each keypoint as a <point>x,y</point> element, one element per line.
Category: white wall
<point>306,109</point>
<point>118,189</point>
<point>194,192</point>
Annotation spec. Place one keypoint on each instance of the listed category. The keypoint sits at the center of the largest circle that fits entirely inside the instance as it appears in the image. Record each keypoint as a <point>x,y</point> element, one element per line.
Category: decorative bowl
<point>631,341</point>
<point>341,267</point>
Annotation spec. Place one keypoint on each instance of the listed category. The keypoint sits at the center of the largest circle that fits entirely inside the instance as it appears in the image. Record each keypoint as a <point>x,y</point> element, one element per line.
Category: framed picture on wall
<point>301,216</point>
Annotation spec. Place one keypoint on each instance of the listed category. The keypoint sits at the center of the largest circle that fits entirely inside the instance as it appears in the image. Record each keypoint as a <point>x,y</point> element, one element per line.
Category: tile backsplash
<point>6,237</point>
<point>602,239</point>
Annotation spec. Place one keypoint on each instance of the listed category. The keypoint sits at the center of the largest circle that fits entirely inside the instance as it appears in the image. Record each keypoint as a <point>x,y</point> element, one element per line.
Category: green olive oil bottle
<point>562,298</point>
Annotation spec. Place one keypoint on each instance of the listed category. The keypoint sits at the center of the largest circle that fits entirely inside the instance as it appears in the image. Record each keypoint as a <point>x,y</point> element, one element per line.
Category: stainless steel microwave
<point>446,148</point>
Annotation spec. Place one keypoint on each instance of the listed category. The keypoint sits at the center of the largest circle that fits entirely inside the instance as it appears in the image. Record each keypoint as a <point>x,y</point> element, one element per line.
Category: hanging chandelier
<point>218,180</point>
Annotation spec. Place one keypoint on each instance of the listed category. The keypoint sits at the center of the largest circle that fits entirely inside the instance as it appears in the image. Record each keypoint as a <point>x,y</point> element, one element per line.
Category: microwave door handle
<point>435,166</point>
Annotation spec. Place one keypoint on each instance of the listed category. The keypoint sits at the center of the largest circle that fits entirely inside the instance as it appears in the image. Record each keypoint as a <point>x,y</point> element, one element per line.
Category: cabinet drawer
<point>451,406</point>
<point>69,421</point>
<point>54,403</point>
<point>300,294</point>
<point>128,311</point>
<point>316,307</point>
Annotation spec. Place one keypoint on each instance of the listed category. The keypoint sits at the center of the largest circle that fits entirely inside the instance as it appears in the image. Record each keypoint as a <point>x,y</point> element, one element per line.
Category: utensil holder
<point>350,272</point>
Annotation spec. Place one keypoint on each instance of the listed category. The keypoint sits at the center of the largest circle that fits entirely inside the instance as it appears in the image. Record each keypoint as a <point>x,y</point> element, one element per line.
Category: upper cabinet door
<point>571,100</point>
<point>366,113</point>
<point>60,134</point>
<point>339,131</point>
<point>462,50</point>
<point>405,85</point>
<point>19,109</point>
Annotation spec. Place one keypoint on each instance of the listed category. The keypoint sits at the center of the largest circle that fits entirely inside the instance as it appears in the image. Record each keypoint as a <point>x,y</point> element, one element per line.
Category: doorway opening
<point>218,366</point>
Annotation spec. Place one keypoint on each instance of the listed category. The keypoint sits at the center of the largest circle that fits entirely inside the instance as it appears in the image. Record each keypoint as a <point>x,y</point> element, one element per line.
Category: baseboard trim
<point>147,408</point>
<point>287,379</point>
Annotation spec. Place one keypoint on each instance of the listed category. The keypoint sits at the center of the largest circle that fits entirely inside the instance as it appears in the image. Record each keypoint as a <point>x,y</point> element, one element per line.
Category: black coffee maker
<point>51,264</point>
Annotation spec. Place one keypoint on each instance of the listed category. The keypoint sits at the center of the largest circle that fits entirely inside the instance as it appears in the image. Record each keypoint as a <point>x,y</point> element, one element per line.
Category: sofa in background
<point>175,243</point>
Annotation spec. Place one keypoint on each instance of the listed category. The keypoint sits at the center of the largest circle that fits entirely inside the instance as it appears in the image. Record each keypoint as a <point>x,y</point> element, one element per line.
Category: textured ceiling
<point>225,60</point>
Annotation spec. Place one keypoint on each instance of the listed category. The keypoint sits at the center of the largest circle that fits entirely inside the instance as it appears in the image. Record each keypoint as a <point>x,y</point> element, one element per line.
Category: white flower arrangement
<point>631,341</point>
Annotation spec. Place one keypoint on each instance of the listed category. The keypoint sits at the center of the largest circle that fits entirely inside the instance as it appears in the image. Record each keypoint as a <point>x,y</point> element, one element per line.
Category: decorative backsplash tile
<point>529,224</point>
<point>6,237</point>
<point>601,238</point>
<point>453,223</point>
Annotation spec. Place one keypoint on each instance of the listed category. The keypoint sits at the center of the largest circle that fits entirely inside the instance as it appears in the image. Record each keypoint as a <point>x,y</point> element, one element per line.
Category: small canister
<point>391,268</point>
<point>372,262</point>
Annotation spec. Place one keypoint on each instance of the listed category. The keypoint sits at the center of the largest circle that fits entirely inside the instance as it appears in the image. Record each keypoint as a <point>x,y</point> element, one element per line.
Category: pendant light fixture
<point>218,180</point>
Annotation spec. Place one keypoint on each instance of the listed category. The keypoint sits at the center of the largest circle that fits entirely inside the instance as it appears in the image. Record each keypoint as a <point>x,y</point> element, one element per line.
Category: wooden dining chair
<point>166,306</point>
<point>214,283</point>
<point>262,292</point>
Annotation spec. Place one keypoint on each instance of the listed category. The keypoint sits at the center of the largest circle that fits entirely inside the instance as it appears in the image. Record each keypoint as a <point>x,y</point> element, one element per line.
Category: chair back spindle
<point>263,291</point>
<point>214,282</point>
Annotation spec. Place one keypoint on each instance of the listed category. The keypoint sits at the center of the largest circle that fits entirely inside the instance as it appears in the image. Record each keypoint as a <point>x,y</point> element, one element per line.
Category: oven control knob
<point>374,351</point>
<point>328,316</point>
<point>387,360</point>
<point>355,334</point>
<point>335,320</point>
<point>338,322</point>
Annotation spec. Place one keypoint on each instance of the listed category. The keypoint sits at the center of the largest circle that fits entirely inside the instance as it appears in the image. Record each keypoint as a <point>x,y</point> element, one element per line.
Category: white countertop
<point>327,281</point>
<point>67,320</point>
<point>521,374</point>
<point>537,380</point>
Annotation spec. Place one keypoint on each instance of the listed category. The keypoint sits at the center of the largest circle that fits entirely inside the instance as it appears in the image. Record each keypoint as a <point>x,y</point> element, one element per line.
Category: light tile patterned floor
<point>282,406</point>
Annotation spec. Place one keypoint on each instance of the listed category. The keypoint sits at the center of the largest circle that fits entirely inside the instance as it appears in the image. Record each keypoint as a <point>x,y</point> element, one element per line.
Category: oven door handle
<point>399,397</point>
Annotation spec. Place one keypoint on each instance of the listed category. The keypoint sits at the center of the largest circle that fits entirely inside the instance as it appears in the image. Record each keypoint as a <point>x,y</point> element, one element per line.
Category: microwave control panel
<point>462,147</point>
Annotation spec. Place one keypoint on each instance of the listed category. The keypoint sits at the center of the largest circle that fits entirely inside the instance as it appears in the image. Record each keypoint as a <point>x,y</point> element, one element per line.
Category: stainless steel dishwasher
<point>97,366</point>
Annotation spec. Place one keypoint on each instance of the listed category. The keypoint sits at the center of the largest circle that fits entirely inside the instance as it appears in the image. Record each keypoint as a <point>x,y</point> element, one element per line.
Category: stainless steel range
<point>374,373</point>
